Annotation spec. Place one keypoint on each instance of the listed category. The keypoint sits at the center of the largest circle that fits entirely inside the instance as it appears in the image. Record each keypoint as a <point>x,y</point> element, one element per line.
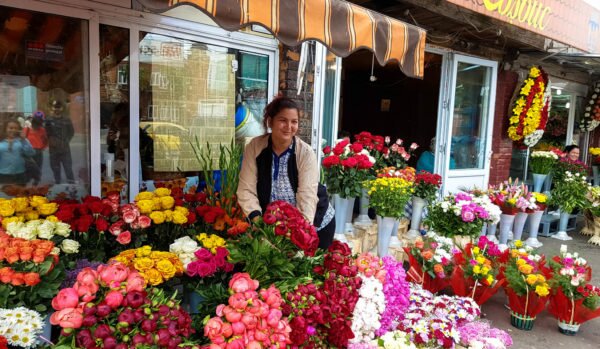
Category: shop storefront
<point>169,74</point>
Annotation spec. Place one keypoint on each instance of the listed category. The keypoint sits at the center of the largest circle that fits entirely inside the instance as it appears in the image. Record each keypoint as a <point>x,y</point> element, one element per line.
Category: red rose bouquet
<point>574,300</point>
<point>477,267</point>
<point>279,249</point>
<point>427,185</point>
<point>250,319</point>
<point>110,307</point>
<point>346,167</point>
<point>30,273</point>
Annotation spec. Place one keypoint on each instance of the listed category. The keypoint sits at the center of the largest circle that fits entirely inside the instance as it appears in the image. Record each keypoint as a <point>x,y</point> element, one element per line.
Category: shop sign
<point>574,22</point>
<point>45,51</point>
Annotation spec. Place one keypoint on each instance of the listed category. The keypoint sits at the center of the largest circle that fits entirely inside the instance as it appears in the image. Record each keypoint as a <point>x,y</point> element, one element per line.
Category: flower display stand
<point>519,224</point>
<point>491,232</point>
<point>562,227</point>
<point>534,226</point>
<point>418,204</point>
<point>506,223</point>
<point>348,227</point>
<point>363,216</point>
<point>538,181</point>
<point>385,229</point>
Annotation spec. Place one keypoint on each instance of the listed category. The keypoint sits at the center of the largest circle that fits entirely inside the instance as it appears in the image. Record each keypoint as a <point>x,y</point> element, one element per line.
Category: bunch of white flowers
<point>20,326</point>
<point>38,229</point>
<point>544,154</point>
<point>368,310</point>
<point>396,340</point>
<point>184,248</point>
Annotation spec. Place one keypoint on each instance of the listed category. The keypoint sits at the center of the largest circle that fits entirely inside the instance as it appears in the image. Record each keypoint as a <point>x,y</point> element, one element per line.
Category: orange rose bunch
<point>28,272</point>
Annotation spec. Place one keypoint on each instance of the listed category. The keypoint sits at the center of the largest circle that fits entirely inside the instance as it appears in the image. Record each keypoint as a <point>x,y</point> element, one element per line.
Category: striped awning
<point>341,26</point>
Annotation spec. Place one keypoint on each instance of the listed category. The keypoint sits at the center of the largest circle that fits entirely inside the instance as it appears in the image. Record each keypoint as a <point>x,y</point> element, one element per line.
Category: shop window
<point>187,96</point>
<point>114,109</point>
<point>555,135</point>
<point>470,117</point>
<point>251,100</point>
<point>44,118</point>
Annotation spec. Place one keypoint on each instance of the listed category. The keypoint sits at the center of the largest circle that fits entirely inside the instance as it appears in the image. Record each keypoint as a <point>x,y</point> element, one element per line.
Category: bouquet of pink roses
<point>251,319</point>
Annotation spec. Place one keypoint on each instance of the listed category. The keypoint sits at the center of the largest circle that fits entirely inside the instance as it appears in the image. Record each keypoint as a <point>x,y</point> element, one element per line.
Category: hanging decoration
<point>591,116</point>
<point>531,107</point>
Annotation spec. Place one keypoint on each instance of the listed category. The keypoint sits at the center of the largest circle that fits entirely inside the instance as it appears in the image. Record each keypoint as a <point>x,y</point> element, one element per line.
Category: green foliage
<point>347,182</point>
<point>272,259</point>
<point>570,193</point>
<point>448,224</point>
<point>541,164</point>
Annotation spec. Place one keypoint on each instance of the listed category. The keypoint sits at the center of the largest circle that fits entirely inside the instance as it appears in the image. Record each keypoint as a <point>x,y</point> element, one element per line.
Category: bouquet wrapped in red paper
<point>526,287</point>
<point>476,270</point>
<point>431,262</point>
<point>574,300</point>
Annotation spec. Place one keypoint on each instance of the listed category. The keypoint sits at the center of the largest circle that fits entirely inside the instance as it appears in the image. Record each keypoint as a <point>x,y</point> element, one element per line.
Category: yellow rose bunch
<point>24,209</point>
<point>523,272</point>
<point>155,267</point>
<point>528,110</point>
<point>160,207</point>
<point>595,151</point>
<point>211,241</point>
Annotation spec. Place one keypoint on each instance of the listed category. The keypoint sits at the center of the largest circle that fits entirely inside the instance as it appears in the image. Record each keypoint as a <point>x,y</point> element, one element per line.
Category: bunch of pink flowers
<point>251,319</point>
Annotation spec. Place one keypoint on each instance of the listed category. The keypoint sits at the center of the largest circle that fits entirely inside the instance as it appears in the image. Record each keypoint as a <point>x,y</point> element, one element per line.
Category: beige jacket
<point>308,177</point>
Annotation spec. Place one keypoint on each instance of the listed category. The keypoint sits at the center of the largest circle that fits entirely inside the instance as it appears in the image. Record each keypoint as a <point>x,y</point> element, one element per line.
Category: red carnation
<point>330,161</point>
<point>356,147</point>
<point>350,162</point>
<point>327,150</point>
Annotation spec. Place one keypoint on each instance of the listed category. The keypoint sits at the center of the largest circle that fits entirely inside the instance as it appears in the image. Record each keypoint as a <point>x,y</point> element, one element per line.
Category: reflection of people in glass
<point>280,166</point>
<point>426,161</point>
<point>572,152</point>
<point>118,131</point>
<point>13,149</point>
<point>59,128</point>
<point>37,137</point>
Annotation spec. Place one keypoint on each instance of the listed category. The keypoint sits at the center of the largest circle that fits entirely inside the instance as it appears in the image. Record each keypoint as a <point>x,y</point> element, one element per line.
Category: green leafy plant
<point>542,162</point>
<point>570,192</point>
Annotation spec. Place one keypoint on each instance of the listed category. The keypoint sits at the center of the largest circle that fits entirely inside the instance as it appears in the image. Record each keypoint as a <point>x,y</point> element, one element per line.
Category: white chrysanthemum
<point>20,326</point>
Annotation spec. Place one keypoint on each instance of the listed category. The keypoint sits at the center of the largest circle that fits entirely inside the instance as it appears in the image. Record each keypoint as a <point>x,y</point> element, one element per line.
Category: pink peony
<point>213,328</point>
<point>66,298</point>
<point>67,318</point>
<point>113,299</point>
<point>238,328</point>
<point>87,292</point>
<point>113,274</point>
<point>238,301</point>
<point>242,282</point>
<point>87,276</point>
<point>237,343</point>
<point>135,282</point>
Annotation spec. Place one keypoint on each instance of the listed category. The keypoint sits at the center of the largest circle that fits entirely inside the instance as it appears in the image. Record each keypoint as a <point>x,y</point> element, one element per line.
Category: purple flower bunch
<point>71,276</point>
<point>480,334</point>
<point>396,291</point>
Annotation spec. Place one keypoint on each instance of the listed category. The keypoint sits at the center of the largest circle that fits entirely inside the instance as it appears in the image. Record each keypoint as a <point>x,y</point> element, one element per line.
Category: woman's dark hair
<point>568,148</point>
<point>277,105</point>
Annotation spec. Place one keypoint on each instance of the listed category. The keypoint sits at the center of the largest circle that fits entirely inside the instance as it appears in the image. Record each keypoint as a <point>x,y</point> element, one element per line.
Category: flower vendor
<point>280,166</point>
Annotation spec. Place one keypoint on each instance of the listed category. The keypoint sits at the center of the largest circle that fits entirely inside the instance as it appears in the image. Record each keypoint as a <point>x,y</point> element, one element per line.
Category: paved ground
<point>545,333</point>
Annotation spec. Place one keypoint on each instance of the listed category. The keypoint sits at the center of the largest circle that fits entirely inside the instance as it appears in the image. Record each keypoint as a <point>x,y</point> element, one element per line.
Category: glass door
<point>468,127</point>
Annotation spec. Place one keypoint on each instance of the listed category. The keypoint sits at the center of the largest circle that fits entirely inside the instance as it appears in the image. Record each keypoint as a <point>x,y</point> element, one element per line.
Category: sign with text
<point>572,22</point>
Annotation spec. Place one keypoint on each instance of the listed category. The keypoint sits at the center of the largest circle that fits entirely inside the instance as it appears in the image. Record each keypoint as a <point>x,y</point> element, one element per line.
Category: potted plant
<point>431,263</point>
<point>574,300</point>
<point>527,287</point>
<point>388,195</point>
<point>376,145</point>
<point>426,189</point>
<point>569,193</point>
<point>514,200</point>
<point>541,164</point>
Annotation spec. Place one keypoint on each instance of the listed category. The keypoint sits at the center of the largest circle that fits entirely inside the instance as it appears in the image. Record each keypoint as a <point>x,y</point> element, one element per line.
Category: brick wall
<point>289,58</point>
<point>501,144</point>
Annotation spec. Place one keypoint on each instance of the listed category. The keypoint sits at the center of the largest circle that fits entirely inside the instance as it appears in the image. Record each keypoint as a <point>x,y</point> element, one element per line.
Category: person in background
<point>426,161</point>
<point>13,150</point>
<point>59,128</point>
<point>280,166</point>
<point>35,133</point>
<point>572,152</point>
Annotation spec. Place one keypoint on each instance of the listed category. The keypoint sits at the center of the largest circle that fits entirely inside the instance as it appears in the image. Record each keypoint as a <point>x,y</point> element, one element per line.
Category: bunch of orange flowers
<point>155,267</point>
<point>15,250</point>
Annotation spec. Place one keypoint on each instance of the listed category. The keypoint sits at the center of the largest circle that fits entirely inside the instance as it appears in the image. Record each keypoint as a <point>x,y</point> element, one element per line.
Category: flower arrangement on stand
<point>569,193</point>
<point>460,214</point>
<point>527,287</point>
<point>541,164</point>
<point>574,300</point>
<point>565,165</point>
<point>398,155</point>
<point>21,327</point>
<point>426,189</point>
<point>30,273</point>
<point>346,167</point>
<point>388,195</point>
<point>591,115</point>
<point>377,147</point>
<point>111,307</point>
<point>514,201</point>
<point>476,271</point>
<point>530,112</point>
<point>431,262</point>
<point>251,319</point>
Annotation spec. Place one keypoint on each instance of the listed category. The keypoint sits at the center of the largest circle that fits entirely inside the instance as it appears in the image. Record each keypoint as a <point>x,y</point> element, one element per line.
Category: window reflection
<point>44,143</point>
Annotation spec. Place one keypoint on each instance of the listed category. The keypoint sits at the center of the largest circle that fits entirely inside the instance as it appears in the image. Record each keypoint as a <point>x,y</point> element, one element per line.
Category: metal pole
<point>526,165</point>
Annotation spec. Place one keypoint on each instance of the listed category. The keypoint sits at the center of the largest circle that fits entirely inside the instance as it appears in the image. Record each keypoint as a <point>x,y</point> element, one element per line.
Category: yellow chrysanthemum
<point>145,195</point>
<point>157,217</point>
<point>160,192</point>
<point>143,251</point>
